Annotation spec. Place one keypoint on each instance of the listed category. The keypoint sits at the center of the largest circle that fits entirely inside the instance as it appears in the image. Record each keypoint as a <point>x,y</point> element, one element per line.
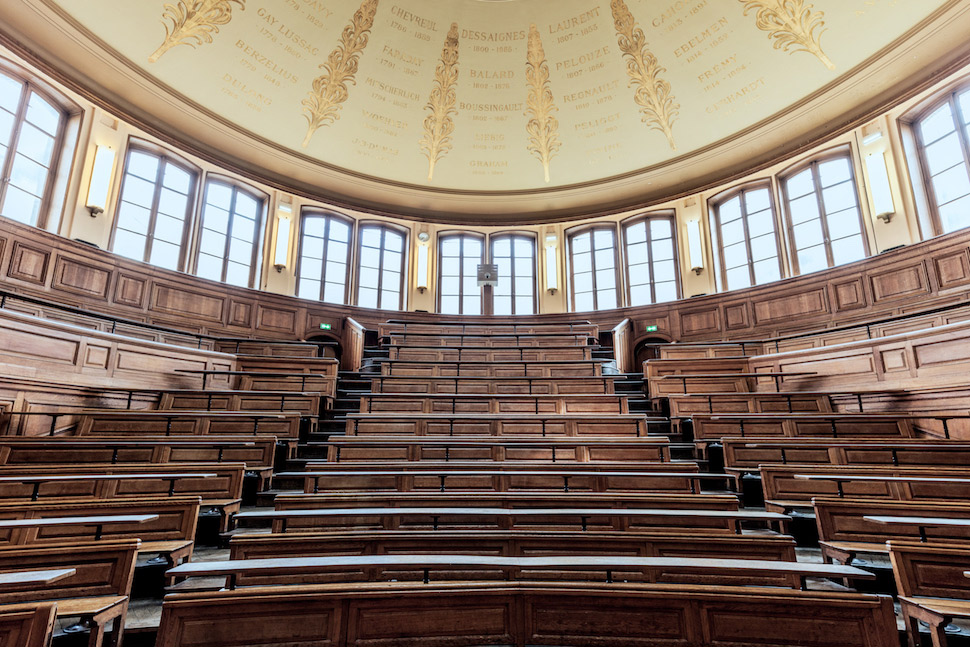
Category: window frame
<point>665,214</point>
<point>262,199</point>
<point>950,96</point>
<point>67,110</point>
<point>191,204</point>
<point>847,153</point>
<point>442,237</point>
<point>317,212</point>
<point>512,235</point>
<point>592,229</point>
<point>384,227</point>
<point>714,207</point>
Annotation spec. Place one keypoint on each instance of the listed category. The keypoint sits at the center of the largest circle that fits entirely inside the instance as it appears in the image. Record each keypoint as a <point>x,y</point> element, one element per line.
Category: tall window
<point>156,199</point>
<point>944,144</point>
<point>744,223</point>
<point>592,262</point>
<point>515,256</point>
<point>458,259</point>
<point>651,260</point>
<point>324,258</point>
<point>824,221</point>
<point>380,278</point>
<point>231,218</point>
<point>30,130</point>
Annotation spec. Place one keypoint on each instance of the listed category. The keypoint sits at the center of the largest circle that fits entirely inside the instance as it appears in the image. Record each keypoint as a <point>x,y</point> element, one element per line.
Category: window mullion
<point>823,214</point>
<point>19,118</point>
<point>225,252</point>
<point>743,206</point>
<point>153,214</point>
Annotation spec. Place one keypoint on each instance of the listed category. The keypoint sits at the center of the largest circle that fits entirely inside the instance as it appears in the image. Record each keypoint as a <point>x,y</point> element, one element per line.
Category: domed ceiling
<point>489,100</point>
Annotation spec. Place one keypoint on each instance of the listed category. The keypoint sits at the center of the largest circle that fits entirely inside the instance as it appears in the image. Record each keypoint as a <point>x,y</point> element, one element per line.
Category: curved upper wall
<point>927,275</point>
<point>621,103</point>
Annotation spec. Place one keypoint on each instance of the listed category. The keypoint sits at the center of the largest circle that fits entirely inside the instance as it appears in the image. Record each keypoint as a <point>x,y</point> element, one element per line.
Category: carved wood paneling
<point>849,295</point>
<point>736,316</point>
<point>809,302</point>
<point>698,323</point>
<point>130,291</point>
<point>71,275</point>
<point>240,313</point>
<point>28,263</point>
<point>177,300</point>
<point>276,319</point>
<point>901,282</point>
<point>953,269</point>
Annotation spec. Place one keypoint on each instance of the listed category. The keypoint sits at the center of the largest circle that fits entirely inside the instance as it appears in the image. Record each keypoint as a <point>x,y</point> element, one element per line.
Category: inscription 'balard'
<point>491,74</point>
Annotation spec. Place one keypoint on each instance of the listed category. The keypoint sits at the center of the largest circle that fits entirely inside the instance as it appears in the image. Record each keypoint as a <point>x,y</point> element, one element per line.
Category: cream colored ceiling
<point>493,95</point>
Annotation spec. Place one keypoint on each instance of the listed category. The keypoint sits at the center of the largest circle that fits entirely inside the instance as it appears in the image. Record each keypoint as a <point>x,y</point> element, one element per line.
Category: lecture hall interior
<point>467,323</point>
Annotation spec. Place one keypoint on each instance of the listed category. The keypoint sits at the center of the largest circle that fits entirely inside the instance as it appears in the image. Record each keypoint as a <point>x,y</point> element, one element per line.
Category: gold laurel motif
<point>194,20</point>
<point>439,125</point>
<point>652,92</point>
<point>792,25</point>
<point>542,127</point>
<point>329,90</point>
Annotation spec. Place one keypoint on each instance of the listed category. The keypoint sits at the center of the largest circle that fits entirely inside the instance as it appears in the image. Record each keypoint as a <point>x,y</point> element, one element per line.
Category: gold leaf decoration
<point>653,94</point>
<point>194,22</point>
<point>792,25</point>
<point>542,127</point>
<point>330,90</point>
<point>439,125</point>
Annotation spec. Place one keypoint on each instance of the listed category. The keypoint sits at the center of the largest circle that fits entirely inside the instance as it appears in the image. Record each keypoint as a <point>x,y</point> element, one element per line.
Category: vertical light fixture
<point>100,185</point>
<point>422,271</point>
<point>552,269</point>
<point>695,247</point>
<point>882,195</point>
<point>283,214</point>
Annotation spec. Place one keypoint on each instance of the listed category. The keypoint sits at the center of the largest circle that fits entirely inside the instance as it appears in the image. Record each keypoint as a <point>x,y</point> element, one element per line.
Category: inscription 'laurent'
<point>575,21</point>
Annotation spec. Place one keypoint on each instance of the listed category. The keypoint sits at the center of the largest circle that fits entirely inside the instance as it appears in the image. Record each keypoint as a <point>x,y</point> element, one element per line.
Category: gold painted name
<point>391,90</point>
<point>591,92</point>
<point>404,57</point>
<point>407,16</point>
<point>493,37</point>
<point>596,123</point>
<point>682,6</point>
<point>575,21</point>
<point>699,39</point>
<point>490,107</point>
<point>268,63</point>
<point>491,74</point>
<point>577,61</point>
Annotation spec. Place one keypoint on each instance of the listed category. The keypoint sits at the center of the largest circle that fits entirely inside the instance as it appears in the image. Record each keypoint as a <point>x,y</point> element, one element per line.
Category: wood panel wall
<point>35,262</point>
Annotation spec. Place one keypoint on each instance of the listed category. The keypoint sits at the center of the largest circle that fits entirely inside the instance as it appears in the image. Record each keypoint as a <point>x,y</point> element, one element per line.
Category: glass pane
<point>501,247</point>
<point>636,233</point>
<point>209,267</point>
<point>951,184</point>
<point>28,175</point>
<point>584,301</point>
<point>243,228</point>
<point>311,268</point>
<point>367,297</point>
<point>237,274</point>
<point>581,244</point>
<point>804,209</point>
<point>449,285</point>
<point>177,179</point>
<point>472,305</point>
<point>582,263</point>
<point>240,251</point>
<point>766,271</point>
<point>812,259</point>
<point>311,247</point>
<point>138,191</point>
<point>761,223</point>
<point>392,261</point>
<point>523,248</point>
<point>143,165</point>
<point>800,184</point>
<point>42,114</point>
<point>937,124</point>
<point>603,239</point>
<point>605,279</point>
<point>6,127</point>
<point>368,277</point>
<point>663,249</point>
<point>164,255</point>
<point>834,171</point>
<point>964,100</point>
<point>246,205</point>
<point>763,247</point>
<point>524,306</point>
<point>732,232</point>
<point>640,295</point>
<point>583,282</point>
<point>757,200</point>
<point>502,305</point>
<point>666,291</point>
<point>738,277</point>
<point>173,203</point>
<point>169,230</point>
<point>313,226</point>
<point>11,91</point>
<point>842,224</point>
<point>334,292</point>
<point>605,299</point>
<point>660,228</point>
<point>370,237</point>
<point>336,272</point>
<point>216,219</point>
<point>604,259</point>
<point>839,197</point>
<point>664,271</point>
<point>808,234</point>
<point>735,255</point>
<point>955,215</point>
<point>338,251</point>
<point>390,280</point>
<point>847,250</point>
<point>449,305</point>
<point>523,286</point>
<point>35,144</point>
<point>21,206</point>
<point>390,300</point>
<point>636,253</point>
<point>943,154</point>
<point>133,218</point>
<point>450,246</point>
<point>129,245</point>
<point>339,231</point>
<point>219,195</point>
<point>393,241</point>
<point>308,289</point>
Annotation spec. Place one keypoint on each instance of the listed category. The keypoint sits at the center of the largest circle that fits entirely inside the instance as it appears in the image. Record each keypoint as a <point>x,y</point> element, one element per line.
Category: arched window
<point>824,221</point>
<point>458,258</point>
<point>157,193</point>
<point>943,137</point>
<point>380,268</point>
<point>322,270</point>
<point>747,242</point>
<point>31,133</point>
<point>232,215</point>
<point>593,269</point>
<point>515,256</point>
<point>651,260</point>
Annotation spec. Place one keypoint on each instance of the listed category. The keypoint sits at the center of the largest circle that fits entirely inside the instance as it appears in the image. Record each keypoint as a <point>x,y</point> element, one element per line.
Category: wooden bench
<point>747,454</point>
<point>491,480</point>
<point>499,340</point>
<point>702,383</point>
<point>98,591</point>
<point>466,353</point>
<point>932,586</point>
<point>600,403</point>
<point>20,580</point>
<point>586,519</point>
<point>427,568</point>
<point>493,370</point>
<point>268,347</point>
<point>516,544</point>
<point>844,531</point>
<point>490,386</point>
<point>363,449</point>
<point>299,382</point>
<point>686,406</point>
<point>701,350</point>
<point>310,405</point>
<point>653,368</point>
<point>171,535</point>
<point>98,523</point>
<point>788,487</point>
<point>447,424</point>
<point>488,329</point>
<point>508,613</point>
<point>218,484</point>
<point>27,625</point>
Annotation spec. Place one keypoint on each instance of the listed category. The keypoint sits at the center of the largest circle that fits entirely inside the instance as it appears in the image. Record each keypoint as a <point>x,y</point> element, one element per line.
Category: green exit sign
<point>326,327</point>
<point>651,329</point>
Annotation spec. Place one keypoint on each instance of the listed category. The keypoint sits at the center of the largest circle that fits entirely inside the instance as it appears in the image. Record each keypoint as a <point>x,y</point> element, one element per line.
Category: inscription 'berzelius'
<point>391,90</point>
<point>494,37</point>
<point>591,92</point>
<point>405,15</point>
<point>589,57</point>
<point>575,21</point>
<point>269,64</point>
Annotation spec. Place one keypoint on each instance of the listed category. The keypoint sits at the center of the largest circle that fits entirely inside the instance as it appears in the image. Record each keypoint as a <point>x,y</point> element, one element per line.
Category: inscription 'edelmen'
<point>592,92</point>
<point>391,90</point>
<point>494,37</point>
<point>407,16</point>
<point>491,74</point>
<point>491,107</point>
<point>577,61</point>
<point>581,19</point>
<point>266,62</point>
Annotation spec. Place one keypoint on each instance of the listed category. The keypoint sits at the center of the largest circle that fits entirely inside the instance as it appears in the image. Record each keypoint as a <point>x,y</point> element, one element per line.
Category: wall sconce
<point>283,212</point>
<point>552,269</point>
<point>423,252</point>
<point>879,188</point>
<point>100,186</point>
<point>695,247</point>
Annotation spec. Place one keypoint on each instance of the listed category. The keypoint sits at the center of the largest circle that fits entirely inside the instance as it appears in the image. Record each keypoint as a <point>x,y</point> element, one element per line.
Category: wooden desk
<point>777,375</point>
<point>920,522</point>
<point>839,479</point>
<point>205,373</point>
<point>99,522</point>
<point>28,579</point>
<point>40,479</point>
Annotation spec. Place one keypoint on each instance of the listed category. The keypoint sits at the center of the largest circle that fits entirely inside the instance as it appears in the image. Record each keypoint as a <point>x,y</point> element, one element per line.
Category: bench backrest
<point>472,354</point>
<point>661,367</point>
<point>554,451</point>
<point>779,483</point>
<point>491,341</point>
<point>634,426</point>
<point>177,518</point>
<point>506,613</point>
<point>930,570</point>
<point>708,428</point>
<point>561,404</point>
<point>189,423</point>
<point>749,453</point>
<point>498,370</point>
<point>842,520</point>
<point>103,568</point>
<point>306,404</point>
<point>685,406</point>
<point>29,625</point>
<point>505,386</point>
